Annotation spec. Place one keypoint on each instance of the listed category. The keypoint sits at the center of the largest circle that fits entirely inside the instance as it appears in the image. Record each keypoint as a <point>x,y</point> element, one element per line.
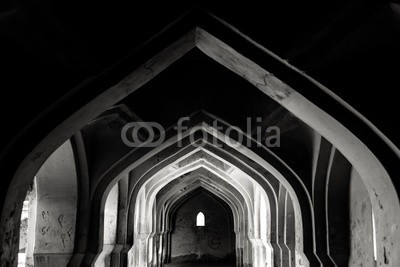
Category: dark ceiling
<point>190,84</point>
<point>49,47</point>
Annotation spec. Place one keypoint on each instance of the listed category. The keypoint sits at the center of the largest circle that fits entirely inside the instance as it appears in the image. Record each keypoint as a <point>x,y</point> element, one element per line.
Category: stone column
<point>282,226</point>
<point>56,184</point>
<point>119,254</point>
<point>290,238</point>
<point>361,226</point>
<point>29,261</point>
<point>110,228</point>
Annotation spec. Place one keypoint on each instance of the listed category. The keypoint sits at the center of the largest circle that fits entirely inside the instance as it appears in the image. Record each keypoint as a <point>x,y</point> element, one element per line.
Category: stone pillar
<point>290,238</point>
<point>323,160</point>
<point>338,209</point>
<point>30,245</point>
<point>282,226</point>
<point>361,227</point>
<point>274,207</point>
<point>119,254</point>
<point>109,228</point>
<point>56,184</point>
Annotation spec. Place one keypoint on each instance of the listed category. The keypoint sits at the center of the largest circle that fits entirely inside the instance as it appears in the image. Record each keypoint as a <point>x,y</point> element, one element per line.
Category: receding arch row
<point>255,170</point>
<point>200,136</point>
<point>195,180</point>
<point>359,155</point>
<point>192,179</point>
<point>231,248</point>
<point>248,230</point>
<point>138,263</point>
<point>198,180</point>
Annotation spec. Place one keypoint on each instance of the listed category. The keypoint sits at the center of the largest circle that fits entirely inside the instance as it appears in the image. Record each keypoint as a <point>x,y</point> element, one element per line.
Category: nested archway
<point>175,157</point>
<point>202,178</point>
<point>213,242</point>
<point>255,69</point>
<point>243,221</point>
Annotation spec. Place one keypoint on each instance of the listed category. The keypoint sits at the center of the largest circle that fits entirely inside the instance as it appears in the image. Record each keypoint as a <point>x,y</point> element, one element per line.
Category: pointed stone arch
<point>258,66</point>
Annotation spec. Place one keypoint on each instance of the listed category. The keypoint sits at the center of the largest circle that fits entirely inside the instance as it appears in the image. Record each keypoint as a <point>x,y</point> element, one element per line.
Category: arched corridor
<point>203,148</point>
<point>212,242</point>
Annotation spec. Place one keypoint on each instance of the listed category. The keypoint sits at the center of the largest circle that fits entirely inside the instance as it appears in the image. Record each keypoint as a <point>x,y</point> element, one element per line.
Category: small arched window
<point>200,219</point>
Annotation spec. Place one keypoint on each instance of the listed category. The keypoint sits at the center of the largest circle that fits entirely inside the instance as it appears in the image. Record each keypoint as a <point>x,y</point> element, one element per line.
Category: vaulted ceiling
<point>49,47</point>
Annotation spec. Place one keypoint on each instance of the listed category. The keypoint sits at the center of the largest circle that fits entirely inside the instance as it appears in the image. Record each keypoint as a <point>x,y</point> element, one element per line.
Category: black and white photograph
<point>200,133</point>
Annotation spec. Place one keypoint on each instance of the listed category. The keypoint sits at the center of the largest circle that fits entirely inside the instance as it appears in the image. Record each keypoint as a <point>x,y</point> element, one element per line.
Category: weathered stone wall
<point>110,216</point>
<point>211,243</point>
<point>56,209</point>
<point>27,230</point>
<point>362,250</point>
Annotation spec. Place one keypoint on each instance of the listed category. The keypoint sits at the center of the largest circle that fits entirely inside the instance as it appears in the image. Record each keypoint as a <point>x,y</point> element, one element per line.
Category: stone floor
<point>195,265</point>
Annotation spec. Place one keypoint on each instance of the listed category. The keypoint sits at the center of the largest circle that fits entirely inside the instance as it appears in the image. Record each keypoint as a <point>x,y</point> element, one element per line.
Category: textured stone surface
<point>229,56</point>
<point>56,184</point>
<point>212,243</point>
<point>362,243</point>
